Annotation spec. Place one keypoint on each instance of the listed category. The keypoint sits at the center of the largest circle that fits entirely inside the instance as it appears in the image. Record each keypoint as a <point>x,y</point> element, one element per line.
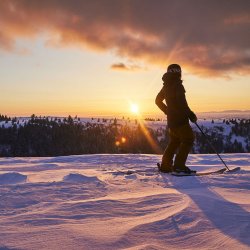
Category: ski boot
<point>164,168</point>
<point>184,169</point>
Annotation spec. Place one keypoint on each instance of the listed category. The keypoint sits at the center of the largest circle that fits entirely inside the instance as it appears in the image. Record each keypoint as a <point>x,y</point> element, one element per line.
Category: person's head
<point>173,73</point>
<point>174,69</point>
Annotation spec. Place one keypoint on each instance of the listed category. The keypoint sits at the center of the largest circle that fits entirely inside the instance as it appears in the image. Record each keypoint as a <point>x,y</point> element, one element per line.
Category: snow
<point>12,178</point>
<point>79,178</point>
<point>87,202</point>
<point>238,138</point>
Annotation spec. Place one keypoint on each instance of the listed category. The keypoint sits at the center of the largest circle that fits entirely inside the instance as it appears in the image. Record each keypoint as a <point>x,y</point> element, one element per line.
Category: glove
<point>192,117</point>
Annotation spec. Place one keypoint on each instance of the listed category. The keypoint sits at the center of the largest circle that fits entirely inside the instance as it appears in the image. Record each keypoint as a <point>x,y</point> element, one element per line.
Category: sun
<point>134,108</point>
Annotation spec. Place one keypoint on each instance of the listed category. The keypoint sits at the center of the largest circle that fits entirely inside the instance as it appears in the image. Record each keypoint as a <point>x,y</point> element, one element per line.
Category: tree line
<point>44,136</point>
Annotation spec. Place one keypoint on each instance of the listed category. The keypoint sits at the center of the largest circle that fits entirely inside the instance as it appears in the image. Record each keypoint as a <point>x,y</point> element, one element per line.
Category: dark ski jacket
<point>176,107</point>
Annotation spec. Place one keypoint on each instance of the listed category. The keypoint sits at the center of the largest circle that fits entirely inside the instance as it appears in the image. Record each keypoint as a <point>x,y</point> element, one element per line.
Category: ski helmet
<point>174,68</point>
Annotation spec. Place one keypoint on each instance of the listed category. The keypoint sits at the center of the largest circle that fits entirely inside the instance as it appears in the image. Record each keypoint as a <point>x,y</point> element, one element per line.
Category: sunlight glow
<point>123,139</point>
<point>134,108</point>
<point>149,138</point>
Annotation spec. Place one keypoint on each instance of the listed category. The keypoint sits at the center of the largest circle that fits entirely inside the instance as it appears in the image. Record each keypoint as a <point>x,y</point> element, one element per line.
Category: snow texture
<point>89,202</point>
<point>12,178</point>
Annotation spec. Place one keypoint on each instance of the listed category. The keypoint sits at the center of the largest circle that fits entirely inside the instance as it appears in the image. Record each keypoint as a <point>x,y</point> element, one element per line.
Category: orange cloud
<point>126,67</point>
<point>207,37</point>
<point>119,66</point>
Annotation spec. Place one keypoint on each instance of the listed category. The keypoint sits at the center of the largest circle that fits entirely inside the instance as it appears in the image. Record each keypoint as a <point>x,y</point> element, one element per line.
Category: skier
<point>181,136</point>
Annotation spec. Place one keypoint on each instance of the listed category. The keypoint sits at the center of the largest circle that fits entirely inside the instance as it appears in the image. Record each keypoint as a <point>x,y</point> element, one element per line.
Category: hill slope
<point>86,202</point>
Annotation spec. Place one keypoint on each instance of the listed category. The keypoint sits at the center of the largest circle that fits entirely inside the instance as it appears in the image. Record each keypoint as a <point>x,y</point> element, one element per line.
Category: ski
<point>220,171</point>
<point>233,170</point>
<point>149,172</point>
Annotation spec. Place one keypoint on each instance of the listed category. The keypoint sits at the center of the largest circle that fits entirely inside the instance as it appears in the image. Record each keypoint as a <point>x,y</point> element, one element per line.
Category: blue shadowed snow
<point>12,178</point>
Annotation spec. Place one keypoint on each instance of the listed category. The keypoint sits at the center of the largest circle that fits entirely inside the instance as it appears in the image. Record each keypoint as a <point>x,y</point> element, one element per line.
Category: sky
<point>96,57</point>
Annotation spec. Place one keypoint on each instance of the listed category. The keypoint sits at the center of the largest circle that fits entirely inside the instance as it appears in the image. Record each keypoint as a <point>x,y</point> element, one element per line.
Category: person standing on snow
<point>181,136</point>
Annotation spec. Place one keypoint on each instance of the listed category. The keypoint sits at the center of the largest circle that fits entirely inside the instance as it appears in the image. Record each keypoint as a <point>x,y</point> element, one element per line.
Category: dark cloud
<point>126,67</point>
<point>119,66</point>
<point>207,37</point>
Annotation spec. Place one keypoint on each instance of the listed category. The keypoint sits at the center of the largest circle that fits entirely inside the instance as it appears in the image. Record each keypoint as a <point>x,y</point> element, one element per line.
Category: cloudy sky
<point>95,57</point>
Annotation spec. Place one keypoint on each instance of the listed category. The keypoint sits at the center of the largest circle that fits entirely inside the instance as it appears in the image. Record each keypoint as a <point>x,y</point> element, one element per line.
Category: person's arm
<point>159,101</point>
<point>184,105</point>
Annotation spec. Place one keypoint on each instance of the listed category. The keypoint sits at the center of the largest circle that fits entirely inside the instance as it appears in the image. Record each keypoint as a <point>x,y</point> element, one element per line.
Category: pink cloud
<point>125,67</point>
<point>208,37</point>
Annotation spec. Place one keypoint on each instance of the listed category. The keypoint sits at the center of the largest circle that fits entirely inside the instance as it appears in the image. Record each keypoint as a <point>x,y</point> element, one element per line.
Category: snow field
<point>87,202</point>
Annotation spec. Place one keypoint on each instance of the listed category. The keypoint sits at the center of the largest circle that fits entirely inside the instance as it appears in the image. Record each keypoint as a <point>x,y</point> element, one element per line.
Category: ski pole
<point>209,143</point>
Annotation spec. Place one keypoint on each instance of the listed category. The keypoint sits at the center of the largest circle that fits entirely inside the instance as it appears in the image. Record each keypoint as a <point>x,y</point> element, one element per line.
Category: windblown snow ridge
<point>12,178</point>
<point>79,178</point>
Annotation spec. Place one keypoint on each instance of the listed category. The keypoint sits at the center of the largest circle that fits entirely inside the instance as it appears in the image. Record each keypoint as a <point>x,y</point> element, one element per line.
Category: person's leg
<point>168,155</point>
<point>186,137</point>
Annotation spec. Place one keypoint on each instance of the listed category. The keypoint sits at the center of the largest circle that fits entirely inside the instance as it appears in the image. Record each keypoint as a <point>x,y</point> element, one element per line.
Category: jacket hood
<point>169,79</point>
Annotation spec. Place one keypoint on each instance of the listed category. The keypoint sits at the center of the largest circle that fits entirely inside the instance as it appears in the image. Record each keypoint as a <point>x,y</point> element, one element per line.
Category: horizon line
<point>127,114</point>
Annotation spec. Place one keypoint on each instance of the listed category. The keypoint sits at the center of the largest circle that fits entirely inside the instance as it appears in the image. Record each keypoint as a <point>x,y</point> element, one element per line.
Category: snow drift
<point>89,202</point>
<point>79,178</point>
<point>12,178</point>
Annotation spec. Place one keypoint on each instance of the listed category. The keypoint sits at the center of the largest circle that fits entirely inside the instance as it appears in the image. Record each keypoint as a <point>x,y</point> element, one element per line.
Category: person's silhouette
<point>181,136</point>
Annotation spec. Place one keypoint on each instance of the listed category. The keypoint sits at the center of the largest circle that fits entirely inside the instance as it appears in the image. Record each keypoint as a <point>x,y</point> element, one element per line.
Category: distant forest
<point>44,136</point>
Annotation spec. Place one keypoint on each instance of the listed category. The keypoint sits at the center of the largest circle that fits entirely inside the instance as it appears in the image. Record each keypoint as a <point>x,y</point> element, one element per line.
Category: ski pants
<point>181,140</point>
